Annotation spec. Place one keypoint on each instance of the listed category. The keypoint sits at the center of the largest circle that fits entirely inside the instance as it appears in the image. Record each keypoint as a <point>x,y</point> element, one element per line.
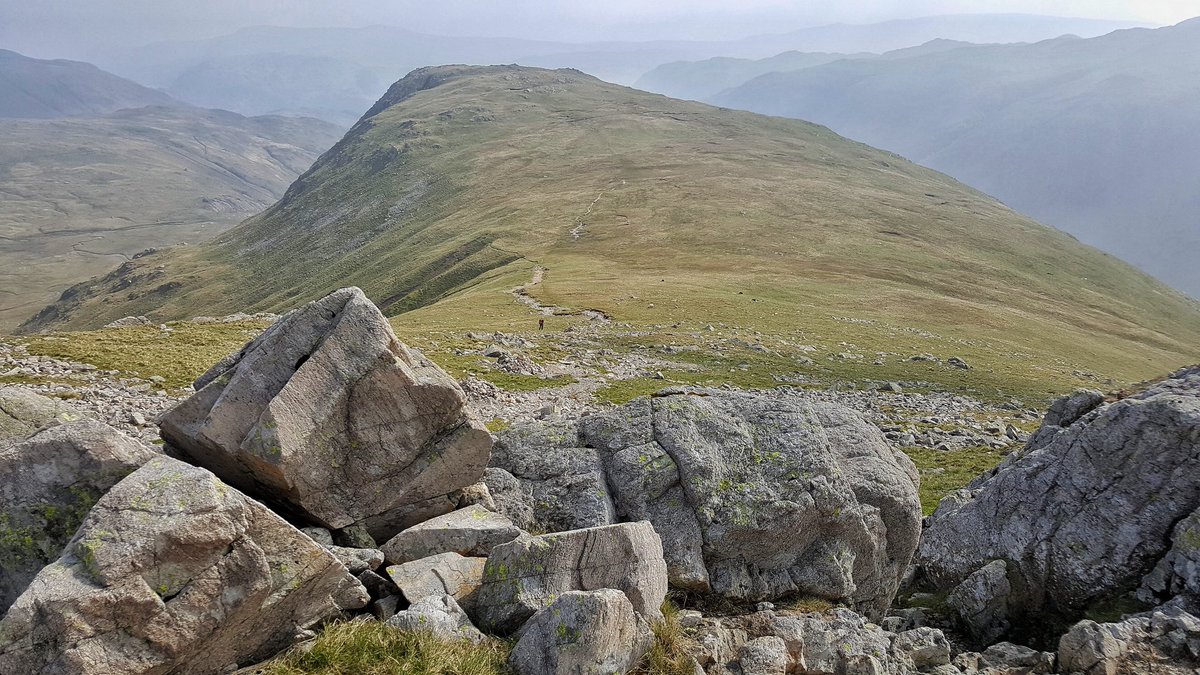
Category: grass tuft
<point>671,653</point>
<point>374,648</point>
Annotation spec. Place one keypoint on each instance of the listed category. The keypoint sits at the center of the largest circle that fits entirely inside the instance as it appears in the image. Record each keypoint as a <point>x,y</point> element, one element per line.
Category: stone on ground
<point>583,633</point>
<point>329,417</point>
<point>443,574</point>
<point>1165,641</point>
<point>48,483</point>
<point>174,571</point>
<point>440,615</point>
<point>23,412</point>
<point>526,575</point>
<point>472,531</point>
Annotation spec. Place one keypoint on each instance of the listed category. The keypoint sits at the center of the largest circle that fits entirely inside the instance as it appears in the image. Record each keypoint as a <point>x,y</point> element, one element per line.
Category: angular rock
<point>173,571</point>
<point>23,412</point>
<point>981,602</point>
<point>357,560</point>
<point>330,418</point>
<point>376,585</point>
<point>472,531</point>
<point>440,615</point>
<point>444,574</point>
<point>525,576</point>
<point>319,534</point>
<point>720,475</point>
<point>764,656</point>
<point>48,483</point>
<point>1166,641</point>
<point>583,633</point>
<point>1006,658</point>
<point>557,484</point>
<point>1082,514</point>
<point>923,648</point>
<point>1065,411</point>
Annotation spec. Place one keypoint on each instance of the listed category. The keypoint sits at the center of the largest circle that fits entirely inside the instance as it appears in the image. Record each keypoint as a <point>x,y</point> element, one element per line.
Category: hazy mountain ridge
<point>1089,135</point>
<point>222,71</point>
<point>647,209</point>
<point>45,89</point>
<point>80,195</point>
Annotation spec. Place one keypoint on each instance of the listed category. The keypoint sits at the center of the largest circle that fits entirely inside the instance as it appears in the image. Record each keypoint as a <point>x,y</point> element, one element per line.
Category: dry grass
<point>374,648</point>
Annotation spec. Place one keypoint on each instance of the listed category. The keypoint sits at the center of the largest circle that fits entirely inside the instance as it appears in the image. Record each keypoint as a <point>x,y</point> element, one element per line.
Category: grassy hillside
<point>670,217</point>
<point>37,88</point>
<point>1093,136</point>
<point>81,195</point>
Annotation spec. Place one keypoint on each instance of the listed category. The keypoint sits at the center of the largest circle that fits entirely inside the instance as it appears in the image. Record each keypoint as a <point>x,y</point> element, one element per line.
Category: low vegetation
<point>374,648</point>
<point>944,471</point>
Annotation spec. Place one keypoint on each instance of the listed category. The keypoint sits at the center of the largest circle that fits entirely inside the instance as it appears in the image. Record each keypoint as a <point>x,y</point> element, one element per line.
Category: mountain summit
<point>462,181</point>
<point>37,88</point>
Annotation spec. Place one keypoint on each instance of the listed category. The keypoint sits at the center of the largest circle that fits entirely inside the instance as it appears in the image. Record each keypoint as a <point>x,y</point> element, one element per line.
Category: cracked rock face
<point>755,497</point>
<point>583,633</point>
<point>1084,513</point>
<point>47,485</point>
<point>329,417</point>
<point>525,576</point>
<point>173,571</point>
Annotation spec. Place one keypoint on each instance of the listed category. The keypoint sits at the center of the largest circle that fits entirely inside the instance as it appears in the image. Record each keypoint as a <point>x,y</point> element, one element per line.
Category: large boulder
<point>443,574</point>
<point>583,633</point>
<point>472,531</point>
<point>1082,514</point>
<point>331,419</point>
<point>174,571</point>
<point>23,412</point>
<point>440,615</point>
<point>720,475</point>
<point>48,484</point>
<point>525,576</point>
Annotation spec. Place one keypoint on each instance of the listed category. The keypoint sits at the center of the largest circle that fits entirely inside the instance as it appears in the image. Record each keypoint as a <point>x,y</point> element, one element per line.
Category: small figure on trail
<point>541,324</point>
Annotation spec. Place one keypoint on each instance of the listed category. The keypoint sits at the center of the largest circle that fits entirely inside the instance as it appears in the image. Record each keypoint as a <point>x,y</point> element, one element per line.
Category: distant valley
<point>1093,136</point>
<point>81,194</point>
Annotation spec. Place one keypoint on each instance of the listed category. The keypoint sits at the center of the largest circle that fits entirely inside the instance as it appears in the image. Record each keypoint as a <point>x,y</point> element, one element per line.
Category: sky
<point>72,28</point>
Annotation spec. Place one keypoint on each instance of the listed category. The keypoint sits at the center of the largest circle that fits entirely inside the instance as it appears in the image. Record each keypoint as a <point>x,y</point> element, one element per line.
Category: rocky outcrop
<point>472,531</point>
<point>23,412</point>
<point>980,602</point>
<point>583,633</point>
<point>1165,641</point>
<point>525,576</point>
<point>327,416</point>
<point>720,475</point>
<point>1178,572</point>
<point>440,615</point>
<point>48,484</point>
<point>173,571</point>
<point>1084,513</point>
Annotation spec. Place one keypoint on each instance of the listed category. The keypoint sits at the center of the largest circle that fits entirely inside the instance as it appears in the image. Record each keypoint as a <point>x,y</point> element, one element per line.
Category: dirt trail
<point>522,294</point>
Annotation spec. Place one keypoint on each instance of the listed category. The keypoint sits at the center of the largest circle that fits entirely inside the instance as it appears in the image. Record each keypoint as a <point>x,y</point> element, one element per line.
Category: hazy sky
<point>73,27</point>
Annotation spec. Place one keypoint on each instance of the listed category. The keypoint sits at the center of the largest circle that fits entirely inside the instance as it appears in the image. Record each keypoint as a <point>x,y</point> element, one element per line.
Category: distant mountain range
<point>1095,136</point>
<point>36,88</point>
<point>337,72</point>
<point>84,192</point>
<point>461,182</point>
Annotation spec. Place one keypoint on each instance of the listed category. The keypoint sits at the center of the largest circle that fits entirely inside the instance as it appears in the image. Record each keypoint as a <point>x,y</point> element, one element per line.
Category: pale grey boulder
<point>443,574</point>
<point>721,475</point>
<point>981,602</point>
<point>1164,641</point>
<point>526,575</point>
<point>1006,658</point>
<point>23,412</point>
<point>330,418</point>
<point>174,571</point>
<point>764,656</point>
<point>550,482</point>
<point>583,633</point>
<point>471,531</point>
<point>440,615</point>
<point>1081,515</point>
<point>922,648</point>
<point>48,483</point>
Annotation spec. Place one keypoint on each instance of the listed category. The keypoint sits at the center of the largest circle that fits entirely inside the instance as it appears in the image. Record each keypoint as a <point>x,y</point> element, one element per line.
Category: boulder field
<point>328,472</point>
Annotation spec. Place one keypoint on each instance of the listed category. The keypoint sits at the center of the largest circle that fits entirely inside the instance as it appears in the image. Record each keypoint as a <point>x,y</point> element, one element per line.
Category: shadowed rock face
<point>330,418</point>
<point>47,485</point>
<point>754,498</point>
<point>1085,512</point>
<point>173,571</point>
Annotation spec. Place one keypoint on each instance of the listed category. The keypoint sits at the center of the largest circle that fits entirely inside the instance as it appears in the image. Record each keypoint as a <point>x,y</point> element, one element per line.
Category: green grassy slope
<point>80,195</point>
<point>462,180</point>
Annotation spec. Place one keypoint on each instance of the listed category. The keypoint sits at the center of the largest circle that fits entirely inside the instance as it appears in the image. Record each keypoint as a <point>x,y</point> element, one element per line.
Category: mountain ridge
<point>46,89</point>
